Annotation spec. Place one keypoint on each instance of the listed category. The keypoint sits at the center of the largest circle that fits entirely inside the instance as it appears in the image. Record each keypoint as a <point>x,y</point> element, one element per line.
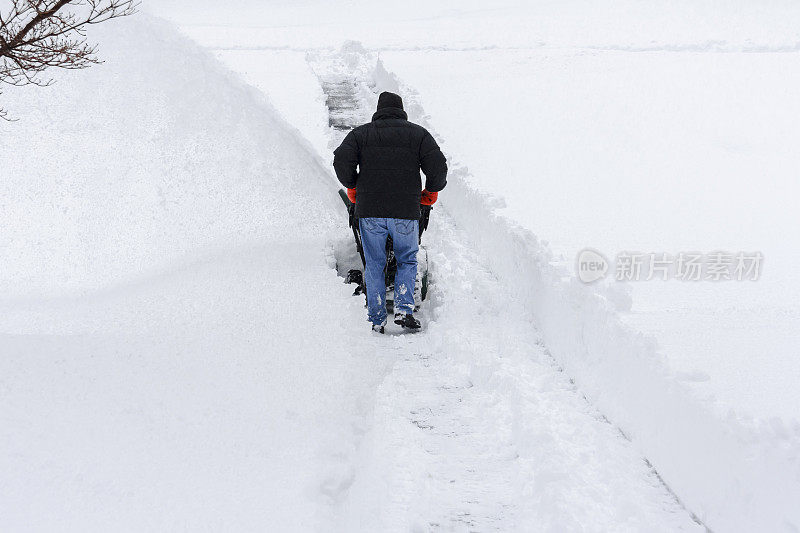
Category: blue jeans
<point>405,235</point>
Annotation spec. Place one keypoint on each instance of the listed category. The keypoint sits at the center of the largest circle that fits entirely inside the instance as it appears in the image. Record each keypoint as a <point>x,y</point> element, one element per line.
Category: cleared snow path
<point>474,427</point>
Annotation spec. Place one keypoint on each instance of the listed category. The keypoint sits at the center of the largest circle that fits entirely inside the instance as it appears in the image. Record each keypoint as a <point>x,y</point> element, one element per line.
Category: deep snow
<point>231,387</point>
<point>156,371</point>
<point>181,347</point>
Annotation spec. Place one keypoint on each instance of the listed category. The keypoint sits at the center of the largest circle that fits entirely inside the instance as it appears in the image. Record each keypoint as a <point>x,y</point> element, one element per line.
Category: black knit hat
<point>387,99</point>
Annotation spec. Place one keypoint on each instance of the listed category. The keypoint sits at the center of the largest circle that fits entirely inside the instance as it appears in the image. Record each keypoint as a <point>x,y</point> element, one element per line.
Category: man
<point>379,164</point>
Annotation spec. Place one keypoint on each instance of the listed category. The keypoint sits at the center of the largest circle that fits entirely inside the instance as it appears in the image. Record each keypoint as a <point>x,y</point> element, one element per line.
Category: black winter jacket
<point>382,160</point>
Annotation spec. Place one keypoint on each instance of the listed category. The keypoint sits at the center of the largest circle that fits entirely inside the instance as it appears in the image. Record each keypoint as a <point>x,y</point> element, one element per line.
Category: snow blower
<point>348,265</point>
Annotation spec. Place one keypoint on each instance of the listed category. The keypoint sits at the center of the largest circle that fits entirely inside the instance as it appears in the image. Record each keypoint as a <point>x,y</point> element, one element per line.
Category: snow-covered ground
<point>176,351</point>
<point>226,384</point>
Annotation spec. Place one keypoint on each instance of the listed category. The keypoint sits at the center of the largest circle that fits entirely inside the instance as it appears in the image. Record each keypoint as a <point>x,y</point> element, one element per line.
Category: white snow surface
<point>627,127</point>
<point>177,352</point>
<point>227,385</point>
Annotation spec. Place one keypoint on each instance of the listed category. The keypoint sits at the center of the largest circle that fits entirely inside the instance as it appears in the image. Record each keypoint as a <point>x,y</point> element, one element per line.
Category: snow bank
<point>733,476</point>
<point>193,398</point>
<point>134,164</point>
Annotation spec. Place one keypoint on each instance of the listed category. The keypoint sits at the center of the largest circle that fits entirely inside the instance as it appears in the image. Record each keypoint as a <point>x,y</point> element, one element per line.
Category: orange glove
<point>351,194</point>
<point>428,198</point>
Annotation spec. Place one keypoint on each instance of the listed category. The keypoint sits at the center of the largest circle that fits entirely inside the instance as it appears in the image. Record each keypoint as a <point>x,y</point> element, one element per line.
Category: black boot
<point>406,320</point>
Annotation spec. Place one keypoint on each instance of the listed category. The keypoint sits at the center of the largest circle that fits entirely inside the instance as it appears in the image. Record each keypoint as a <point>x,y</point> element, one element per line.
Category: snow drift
<point>171,395</point>
<point>131,165</point>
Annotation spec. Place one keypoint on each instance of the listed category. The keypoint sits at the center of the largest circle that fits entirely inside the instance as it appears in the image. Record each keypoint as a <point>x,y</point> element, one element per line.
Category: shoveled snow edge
<point>732,473</point>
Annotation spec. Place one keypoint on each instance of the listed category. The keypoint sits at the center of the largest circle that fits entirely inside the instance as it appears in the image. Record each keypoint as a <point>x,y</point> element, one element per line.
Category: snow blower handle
<point>344,197</point>
<point>350,204</point>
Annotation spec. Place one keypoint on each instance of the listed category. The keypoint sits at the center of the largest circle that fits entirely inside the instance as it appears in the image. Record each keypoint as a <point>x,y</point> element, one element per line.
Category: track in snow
<point>474,427</point>
<point>341,103</point>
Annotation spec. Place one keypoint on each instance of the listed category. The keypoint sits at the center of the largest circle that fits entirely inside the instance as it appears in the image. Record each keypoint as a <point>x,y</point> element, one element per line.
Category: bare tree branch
<point>36,35</point>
